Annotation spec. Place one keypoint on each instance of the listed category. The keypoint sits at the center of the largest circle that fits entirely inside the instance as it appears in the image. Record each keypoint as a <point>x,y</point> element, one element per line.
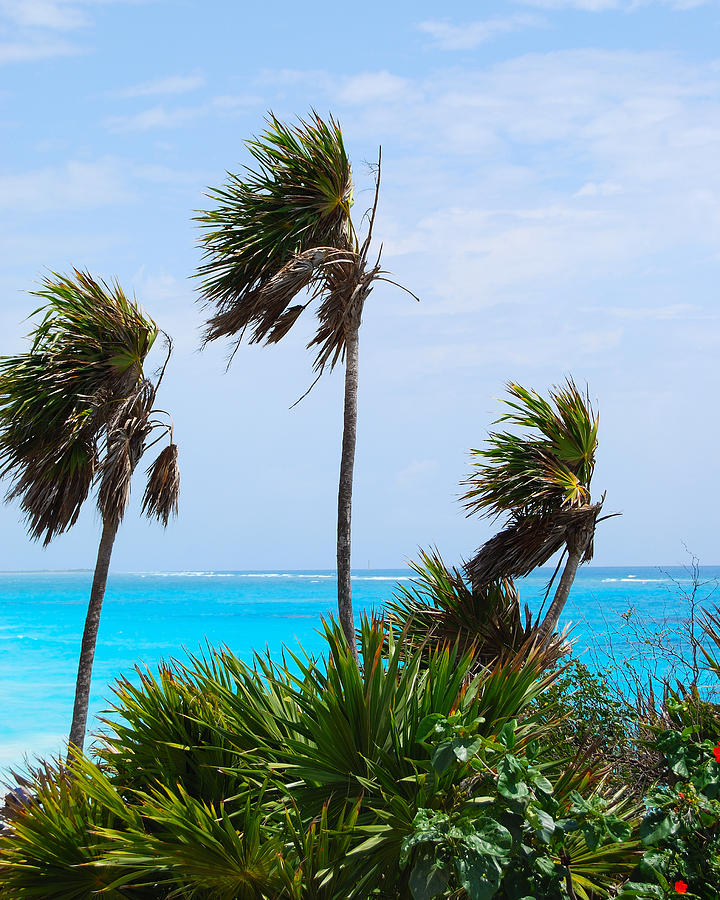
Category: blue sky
<point>551,190</point>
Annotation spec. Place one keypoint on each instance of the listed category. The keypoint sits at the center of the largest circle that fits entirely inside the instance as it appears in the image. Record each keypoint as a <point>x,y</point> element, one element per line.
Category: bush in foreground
<point>413,776</point>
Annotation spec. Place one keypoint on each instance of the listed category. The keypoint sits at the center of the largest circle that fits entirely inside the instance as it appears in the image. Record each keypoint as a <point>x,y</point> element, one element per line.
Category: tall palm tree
<point>284,231</point>
<point>77,413</point>
<point>540,479</point>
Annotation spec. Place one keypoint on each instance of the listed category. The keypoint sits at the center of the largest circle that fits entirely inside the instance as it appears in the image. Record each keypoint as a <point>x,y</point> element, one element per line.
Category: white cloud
<point>52,14</point>
<point>673,312</point>
<point>161,117</point>
<point>599,189</point>
<point>416,471</point>
<point>372,87</point>
<point>618,176</point>
<point>156,117</point>
<point>465,37</point>
<point>72,186</point>
<point>174,84</point>
<point>31,50</point>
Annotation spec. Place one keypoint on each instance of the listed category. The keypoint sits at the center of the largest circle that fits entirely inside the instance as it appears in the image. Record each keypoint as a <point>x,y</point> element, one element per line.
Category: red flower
<point>716,754</point>
<point>680,887</point>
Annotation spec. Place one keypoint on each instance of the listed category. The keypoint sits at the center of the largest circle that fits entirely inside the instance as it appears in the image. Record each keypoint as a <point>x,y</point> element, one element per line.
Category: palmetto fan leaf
<point>86,358</point>
<point>543,471</point>
<point>297,199</point>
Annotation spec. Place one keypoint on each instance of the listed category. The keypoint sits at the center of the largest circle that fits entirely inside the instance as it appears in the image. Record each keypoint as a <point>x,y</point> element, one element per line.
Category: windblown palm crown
<point>77,409</point>
<point>280,230</point>
<point>540,478</point>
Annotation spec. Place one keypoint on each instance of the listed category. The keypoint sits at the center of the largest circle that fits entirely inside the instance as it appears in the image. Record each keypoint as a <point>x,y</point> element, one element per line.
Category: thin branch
<point>415,296</point>
<point>319,376</point>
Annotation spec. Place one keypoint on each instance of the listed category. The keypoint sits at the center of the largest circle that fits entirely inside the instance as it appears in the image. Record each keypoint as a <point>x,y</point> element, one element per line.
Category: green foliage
<point>681,827</point>
<point>593,716</point>
<point>441,607</point>
<point>50,847</point>
<point>413,775</point>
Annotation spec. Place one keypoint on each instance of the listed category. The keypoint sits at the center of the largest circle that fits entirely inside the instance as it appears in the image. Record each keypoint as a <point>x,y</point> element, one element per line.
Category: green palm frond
<point>440,607</point>
<point>85,360</point>
<point>546,468</point>
<point>297,199</point>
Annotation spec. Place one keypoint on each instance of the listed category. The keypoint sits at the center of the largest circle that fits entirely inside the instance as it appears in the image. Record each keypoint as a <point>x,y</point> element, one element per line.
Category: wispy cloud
<point>604,5</point>
<point>448,36</point>
<point>29,26</point>
<point>32,50</point>
<point>372,87</point>
<point>61,15</point>
<point>416,472</point>
<point>73,185</point>
<point>157,117</point>
<point>161,117</point>
<point>551,173</point>
<point>671,312</point>
<point>174,84</point>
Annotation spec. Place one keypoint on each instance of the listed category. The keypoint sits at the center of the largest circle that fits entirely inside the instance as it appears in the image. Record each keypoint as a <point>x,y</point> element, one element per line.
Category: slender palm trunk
<point>577,543</point>
<point>347,463</point>
<point>550,622</point>
<point>87,650</point>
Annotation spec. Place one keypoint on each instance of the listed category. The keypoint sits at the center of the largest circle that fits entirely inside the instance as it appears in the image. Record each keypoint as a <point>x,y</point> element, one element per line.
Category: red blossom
<point>680,887</point>
<point>716,754</point>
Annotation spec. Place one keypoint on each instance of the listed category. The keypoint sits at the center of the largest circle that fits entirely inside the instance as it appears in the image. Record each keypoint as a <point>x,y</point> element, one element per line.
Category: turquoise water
<point>152,616</point>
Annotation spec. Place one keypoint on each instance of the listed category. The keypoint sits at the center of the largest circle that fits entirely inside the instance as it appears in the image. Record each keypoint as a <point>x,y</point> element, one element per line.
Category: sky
<point>550,191</point>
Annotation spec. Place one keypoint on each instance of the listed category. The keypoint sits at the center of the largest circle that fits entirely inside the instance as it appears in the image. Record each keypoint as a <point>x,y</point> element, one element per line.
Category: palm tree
<point>281,231</point>
<point>76,413</point>
<point>541,480</point>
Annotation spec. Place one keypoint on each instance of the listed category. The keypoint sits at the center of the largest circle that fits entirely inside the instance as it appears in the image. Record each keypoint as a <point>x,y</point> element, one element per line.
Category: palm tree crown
<point>279,230</point>
<point>539,478</point>
<point>539,472</point>
<point>76,409</point>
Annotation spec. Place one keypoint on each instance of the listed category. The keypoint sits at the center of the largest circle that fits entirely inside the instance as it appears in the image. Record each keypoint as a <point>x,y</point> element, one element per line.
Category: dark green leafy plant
<point>681,828</point>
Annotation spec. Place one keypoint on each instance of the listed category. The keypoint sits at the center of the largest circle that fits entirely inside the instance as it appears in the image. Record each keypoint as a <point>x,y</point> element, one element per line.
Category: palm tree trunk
<point>347,463</point>
<point>87,650</point>
<point>577,543</point>
<point>550,622</point>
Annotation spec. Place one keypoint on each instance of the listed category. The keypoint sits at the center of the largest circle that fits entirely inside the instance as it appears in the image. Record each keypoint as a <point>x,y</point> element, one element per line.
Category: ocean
<point>153,616</point>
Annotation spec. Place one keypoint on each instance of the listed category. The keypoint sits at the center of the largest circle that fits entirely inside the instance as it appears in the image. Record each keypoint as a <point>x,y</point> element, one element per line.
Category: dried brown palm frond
<point>530,542</point>
<point>160,499</point>
<point>125,441</point>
